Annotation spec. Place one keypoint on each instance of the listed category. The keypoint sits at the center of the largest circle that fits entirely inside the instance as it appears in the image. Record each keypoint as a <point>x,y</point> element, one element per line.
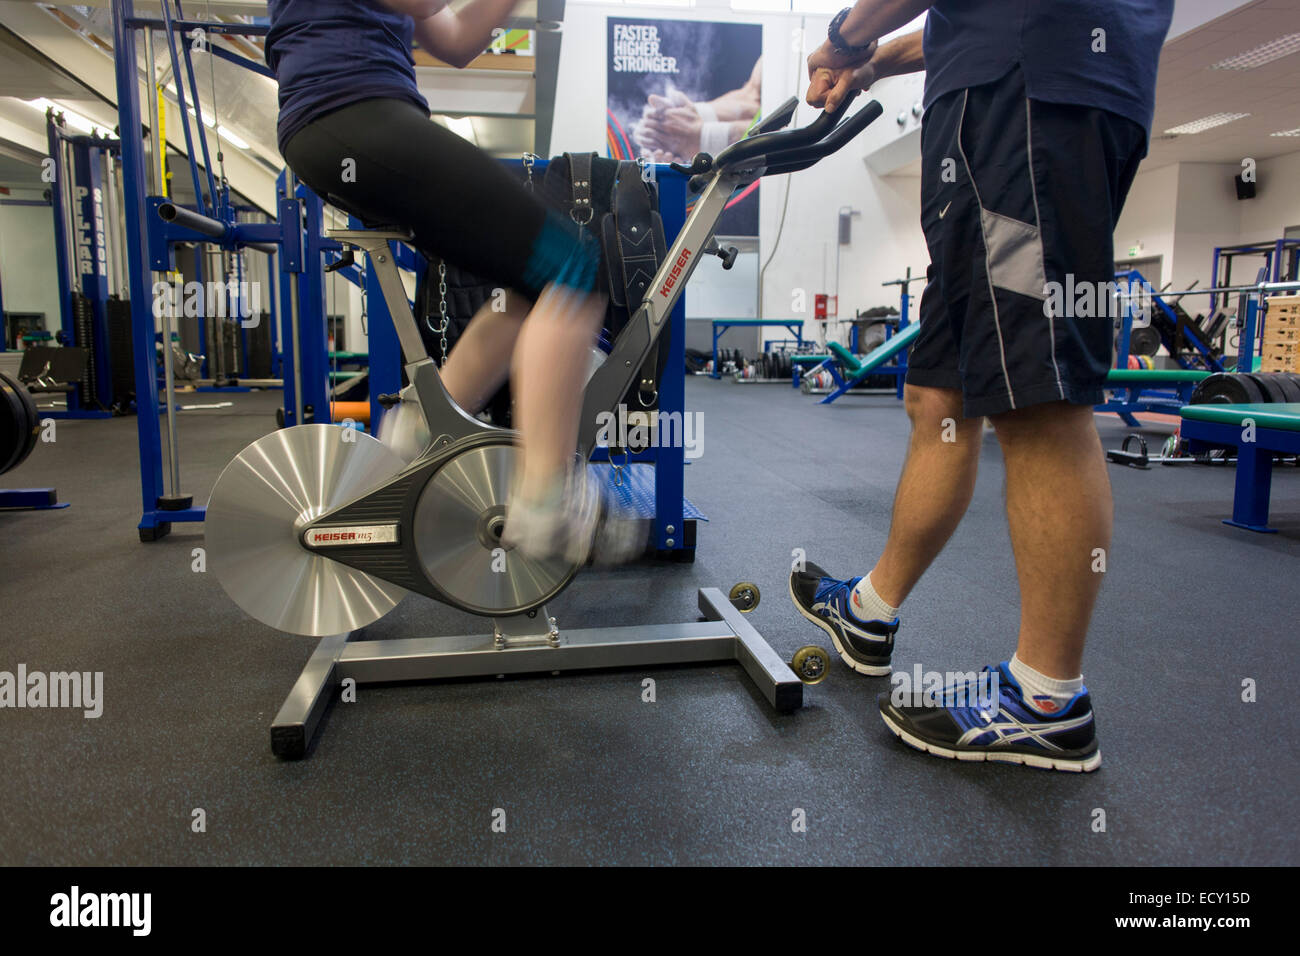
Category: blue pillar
<point>142,319</point>
<point>670,462</point>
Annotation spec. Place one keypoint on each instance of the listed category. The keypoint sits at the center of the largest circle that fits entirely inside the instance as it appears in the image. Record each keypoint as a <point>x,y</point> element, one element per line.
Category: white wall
<point>1276,205</point>
<point>1182,211</point>
<point>1208,215</point>
<point>1148,216</point>
<point>28,277</point>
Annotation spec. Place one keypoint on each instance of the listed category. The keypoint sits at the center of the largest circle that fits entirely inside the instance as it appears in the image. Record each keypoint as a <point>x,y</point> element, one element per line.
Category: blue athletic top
<point>1058,45</point>
<point>329,53</point>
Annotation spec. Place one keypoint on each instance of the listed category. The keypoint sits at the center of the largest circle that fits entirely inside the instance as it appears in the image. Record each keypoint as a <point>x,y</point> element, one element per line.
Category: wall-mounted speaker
<point>1245,190</point>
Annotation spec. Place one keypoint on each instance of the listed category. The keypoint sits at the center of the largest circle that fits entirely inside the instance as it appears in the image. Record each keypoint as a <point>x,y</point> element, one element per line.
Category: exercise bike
<point>321,530</point>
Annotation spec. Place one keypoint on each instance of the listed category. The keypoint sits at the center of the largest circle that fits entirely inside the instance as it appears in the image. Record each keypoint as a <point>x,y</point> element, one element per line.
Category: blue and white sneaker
<point>966,725</point>
<point>865,645</point>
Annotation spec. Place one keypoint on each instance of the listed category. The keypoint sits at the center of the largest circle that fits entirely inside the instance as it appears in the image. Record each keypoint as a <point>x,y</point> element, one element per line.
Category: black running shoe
<point>991,721</point>
<point>865,645</point>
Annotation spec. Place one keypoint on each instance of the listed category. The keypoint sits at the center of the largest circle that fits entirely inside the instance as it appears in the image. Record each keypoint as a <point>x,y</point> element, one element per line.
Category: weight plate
<point>1271,387</point>
<point>1255,394</point>
<point>1144,341</point>
<point>12,423</point>
<point>262,499</point>
<point>745,596</point>
<point>1221,388</point>
<point>33,421</point>
<point>458,520</point>
<point>26,421</point>
<point>1290,383</point>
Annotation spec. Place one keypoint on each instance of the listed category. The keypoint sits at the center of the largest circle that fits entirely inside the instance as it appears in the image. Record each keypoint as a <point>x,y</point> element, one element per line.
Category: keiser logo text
<point>673,276</point>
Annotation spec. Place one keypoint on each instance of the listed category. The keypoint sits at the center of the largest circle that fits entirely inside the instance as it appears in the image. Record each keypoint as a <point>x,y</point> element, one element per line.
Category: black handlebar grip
<point>760,145</point>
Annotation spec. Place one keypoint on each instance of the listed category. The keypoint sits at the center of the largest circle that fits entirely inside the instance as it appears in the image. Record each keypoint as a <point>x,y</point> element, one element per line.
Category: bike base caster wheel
<point>811,664</point>
<point>744,596</point>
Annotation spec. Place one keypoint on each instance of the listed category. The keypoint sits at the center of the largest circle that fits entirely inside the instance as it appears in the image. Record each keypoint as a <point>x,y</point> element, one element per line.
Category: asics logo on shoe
<point>1008,730</point>
<point>832,612</point>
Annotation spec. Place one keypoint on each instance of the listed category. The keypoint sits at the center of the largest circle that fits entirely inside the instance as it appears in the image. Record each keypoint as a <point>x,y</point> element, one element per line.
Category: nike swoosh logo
<point>943,211</point>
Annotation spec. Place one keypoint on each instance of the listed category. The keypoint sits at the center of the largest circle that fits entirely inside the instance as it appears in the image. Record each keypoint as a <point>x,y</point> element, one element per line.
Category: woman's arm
<point>457,37</point>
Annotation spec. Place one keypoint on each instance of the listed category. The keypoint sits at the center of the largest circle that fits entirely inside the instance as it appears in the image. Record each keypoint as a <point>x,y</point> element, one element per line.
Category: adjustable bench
<point>848,370</point>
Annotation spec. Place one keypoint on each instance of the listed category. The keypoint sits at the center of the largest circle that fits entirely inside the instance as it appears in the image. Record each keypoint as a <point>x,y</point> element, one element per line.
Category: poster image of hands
<point>679,87</point>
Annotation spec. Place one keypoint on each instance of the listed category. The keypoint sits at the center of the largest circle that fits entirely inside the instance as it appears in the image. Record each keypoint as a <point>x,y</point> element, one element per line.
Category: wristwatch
<point>837,41</point>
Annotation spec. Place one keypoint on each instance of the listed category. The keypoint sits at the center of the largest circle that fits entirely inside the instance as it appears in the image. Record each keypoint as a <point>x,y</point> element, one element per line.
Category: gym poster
<point>676,87</point>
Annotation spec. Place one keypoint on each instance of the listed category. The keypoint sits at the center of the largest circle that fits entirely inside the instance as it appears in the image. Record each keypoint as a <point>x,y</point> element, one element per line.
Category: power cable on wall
<point>785,202</point>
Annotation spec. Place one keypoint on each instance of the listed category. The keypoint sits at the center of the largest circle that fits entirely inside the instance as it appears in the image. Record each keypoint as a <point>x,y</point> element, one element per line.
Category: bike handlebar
<point>792,150</point>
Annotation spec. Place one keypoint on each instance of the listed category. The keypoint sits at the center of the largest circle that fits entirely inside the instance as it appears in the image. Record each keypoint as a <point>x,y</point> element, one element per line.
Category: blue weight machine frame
<point>150,238</point>
<point>90,267</point>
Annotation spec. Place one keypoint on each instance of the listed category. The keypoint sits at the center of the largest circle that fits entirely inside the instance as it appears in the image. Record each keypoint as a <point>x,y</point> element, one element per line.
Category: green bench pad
<point>1151,376</point>
<point>1282,416</point>
<point>877,356</point>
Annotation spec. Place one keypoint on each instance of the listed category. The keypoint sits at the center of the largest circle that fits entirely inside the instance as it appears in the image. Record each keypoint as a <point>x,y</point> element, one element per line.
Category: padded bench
<point>1277,429</point>
<point>848,370</point>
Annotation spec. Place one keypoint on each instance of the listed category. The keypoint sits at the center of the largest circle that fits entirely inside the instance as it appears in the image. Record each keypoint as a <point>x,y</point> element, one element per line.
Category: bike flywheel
<point>259,505</point>
<point>458,522</point>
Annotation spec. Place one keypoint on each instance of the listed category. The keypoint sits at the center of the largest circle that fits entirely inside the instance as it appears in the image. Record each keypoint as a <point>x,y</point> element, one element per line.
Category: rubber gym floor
<point>586,772</point>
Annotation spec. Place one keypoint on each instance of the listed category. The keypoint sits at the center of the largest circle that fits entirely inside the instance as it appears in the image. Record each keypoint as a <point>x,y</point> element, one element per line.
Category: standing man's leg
<point>1048,182</point>
<point>934,491</point>
<point>1059,509</point>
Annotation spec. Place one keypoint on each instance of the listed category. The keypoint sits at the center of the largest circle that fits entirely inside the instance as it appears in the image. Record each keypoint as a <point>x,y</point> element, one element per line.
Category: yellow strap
<point>163,176</point>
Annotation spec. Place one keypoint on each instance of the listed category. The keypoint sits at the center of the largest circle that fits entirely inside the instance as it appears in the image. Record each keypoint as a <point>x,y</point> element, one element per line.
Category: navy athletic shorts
<point>1016,196</point>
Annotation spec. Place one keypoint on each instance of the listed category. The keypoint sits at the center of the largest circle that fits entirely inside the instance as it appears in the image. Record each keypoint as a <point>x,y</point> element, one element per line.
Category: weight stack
<point>120,357</point>
<point>83,322</point>
<point>259,347</point>
<point>230,350</point>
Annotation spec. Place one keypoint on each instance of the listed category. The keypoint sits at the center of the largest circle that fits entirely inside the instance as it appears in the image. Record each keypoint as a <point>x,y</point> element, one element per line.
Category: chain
<point>442,308</point>
<point>529,159</point>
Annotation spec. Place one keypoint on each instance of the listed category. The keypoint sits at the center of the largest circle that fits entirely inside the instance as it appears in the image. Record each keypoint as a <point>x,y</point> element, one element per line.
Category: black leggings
<point>386,162</point>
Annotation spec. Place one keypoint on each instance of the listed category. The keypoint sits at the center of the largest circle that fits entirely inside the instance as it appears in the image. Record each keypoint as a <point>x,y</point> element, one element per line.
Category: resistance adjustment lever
<point>727,255</point>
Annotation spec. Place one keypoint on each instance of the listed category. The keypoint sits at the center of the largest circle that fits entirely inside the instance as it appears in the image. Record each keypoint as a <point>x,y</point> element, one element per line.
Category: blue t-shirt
<point>1058,47</point>
<point>329,53</point>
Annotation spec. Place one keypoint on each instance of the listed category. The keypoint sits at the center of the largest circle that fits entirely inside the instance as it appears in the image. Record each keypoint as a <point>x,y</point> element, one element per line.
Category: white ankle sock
<point>1047,695</point>
<point>867,605</point>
